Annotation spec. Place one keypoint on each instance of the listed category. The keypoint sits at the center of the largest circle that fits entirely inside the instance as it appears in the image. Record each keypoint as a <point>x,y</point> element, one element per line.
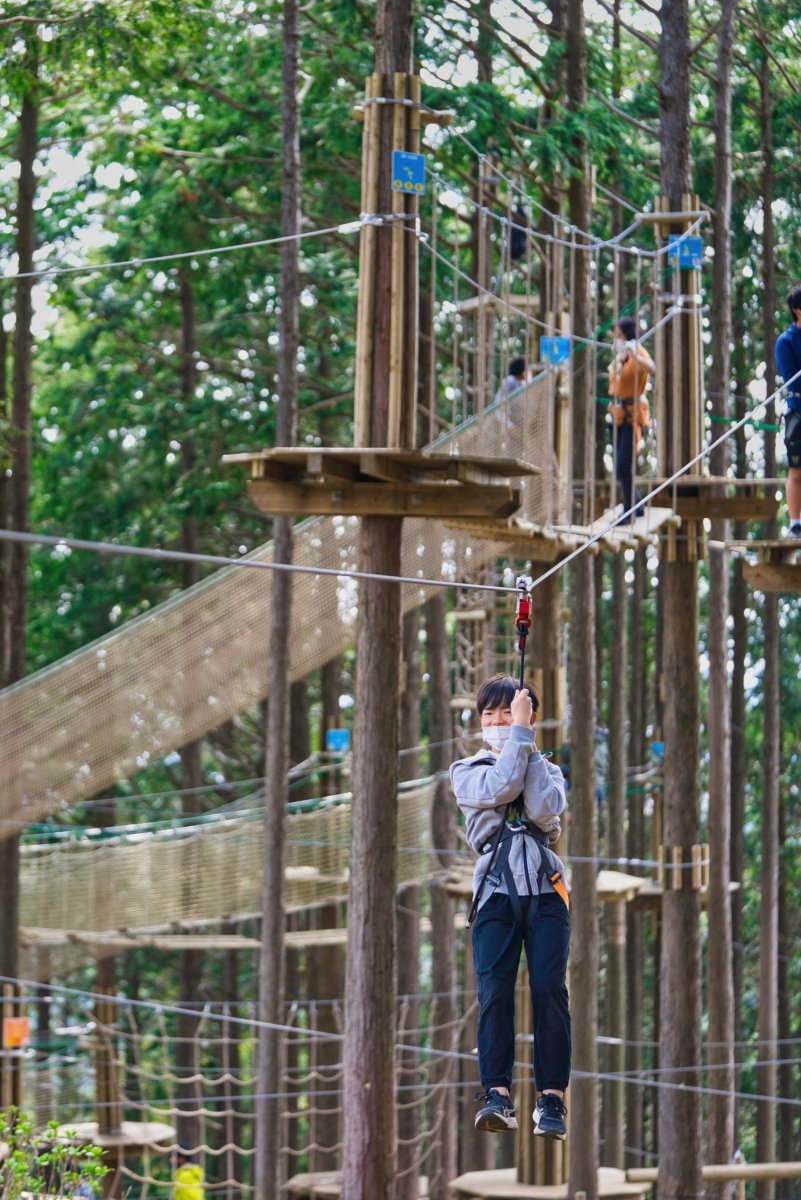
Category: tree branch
<point>624,116</point>
<point>643,37</point>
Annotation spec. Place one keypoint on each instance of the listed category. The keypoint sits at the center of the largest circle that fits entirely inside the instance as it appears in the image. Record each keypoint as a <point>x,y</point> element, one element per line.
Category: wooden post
<point>367,251</point>
<point>108,1104</point>
<point>385,398</point>
<point>11,1058</point>
<point>384,416</point>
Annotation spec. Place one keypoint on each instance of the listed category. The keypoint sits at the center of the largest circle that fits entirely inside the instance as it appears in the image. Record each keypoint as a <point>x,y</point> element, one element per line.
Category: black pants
<point>498,940</point>
<point>624,466</point>
<point>792,438</point>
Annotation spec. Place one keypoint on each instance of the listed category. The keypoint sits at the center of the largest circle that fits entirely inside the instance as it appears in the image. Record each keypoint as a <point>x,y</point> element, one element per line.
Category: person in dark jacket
<point>788,360</point>
<point>512,798</point>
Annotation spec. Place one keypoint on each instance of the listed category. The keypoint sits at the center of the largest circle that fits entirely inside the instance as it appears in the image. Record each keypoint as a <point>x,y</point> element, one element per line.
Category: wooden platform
<point>739,499</point>
<point>640,531</point>
<point>539,543</point>
<point>131,1138</point>
<point>503,1185</point>
<point>120,941</point>
<point>777,564</point>
<point>341,480</point>
<point>327,1185</point>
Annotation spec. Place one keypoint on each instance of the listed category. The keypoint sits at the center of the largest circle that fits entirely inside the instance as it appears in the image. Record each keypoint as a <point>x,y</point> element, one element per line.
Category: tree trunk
<point>613,1108</point>
<point>330,683</point>
<point>19,508</point>
<point>5,503</point>
<point>442,1163</point>
<point>680,980</point>
<point>635,848</point>
<point>739,604</point>
<point>300,740</point>
<point>272,964</point>
<point>771,714</point>
<point>369,1143</point>
<point>408,928</point>
<point>720,1136</point>
<point>787,1070</point>
<point>368,1152</point>
<point>584,1149</point>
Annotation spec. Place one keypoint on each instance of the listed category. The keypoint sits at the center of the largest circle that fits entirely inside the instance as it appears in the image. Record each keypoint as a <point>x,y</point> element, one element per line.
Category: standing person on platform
<point>788,360</point>
<point>512,798</point>
<point>514,380</point>
<point>629,373</point>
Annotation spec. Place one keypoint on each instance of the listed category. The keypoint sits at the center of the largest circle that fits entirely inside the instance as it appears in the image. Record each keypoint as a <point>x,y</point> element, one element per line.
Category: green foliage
<point>46,1162</point>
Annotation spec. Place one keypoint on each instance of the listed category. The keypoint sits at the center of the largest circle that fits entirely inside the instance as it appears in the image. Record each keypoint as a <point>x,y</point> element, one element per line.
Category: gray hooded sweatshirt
<point>485,783</point>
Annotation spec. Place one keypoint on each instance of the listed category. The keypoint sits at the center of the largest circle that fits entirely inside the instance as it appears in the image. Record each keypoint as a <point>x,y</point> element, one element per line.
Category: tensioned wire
<point>305,1035</point>
<point>354,226</point>
<point>510,309</point>
<point>153,552</point>
<point>592,244</point>
<point>51,272</point>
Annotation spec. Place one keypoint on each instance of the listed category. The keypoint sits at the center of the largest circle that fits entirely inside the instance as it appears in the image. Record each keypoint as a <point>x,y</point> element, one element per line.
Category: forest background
<point>134,132</point>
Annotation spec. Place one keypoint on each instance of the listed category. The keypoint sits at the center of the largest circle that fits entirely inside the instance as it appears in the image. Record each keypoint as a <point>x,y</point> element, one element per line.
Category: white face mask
<point>619,345</point>
<point>496,736</point>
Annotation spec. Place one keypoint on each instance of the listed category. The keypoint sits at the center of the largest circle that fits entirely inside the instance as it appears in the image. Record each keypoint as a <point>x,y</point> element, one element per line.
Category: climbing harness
<point>499,868</point>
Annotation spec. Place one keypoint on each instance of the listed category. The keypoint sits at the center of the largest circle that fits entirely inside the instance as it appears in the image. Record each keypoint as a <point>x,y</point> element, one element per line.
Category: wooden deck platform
<point>340,480</point>
<point>503,1185</point>
<point>131,1138</point>
<point>776,565</point>
<point>327,1185</point>
<point>695,497</point>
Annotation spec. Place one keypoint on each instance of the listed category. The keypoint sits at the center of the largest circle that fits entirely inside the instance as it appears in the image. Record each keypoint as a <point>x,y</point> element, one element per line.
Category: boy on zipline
<point>512,799</point>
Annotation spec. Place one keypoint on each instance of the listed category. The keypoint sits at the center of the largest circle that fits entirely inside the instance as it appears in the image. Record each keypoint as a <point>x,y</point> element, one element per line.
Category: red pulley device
<point>523,618</point>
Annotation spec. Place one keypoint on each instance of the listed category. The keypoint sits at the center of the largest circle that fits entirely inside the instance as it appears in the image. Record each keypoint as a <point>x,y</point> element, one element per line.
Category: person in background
<point>788,360</point>
<point>632,367</point>
<point>514,380</point>
<point>188,1181</point>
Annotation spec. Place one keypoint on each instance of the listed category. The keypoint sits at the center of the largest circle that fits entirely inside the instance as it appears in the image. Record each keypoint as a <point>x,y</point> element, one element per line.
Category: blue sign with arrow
<point>408,172</point>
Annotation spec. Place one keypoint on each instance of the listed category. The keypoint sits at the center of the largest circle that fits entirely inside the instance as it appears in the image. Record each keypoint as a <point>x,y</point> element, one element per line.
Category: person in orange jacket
<point>629,373</point>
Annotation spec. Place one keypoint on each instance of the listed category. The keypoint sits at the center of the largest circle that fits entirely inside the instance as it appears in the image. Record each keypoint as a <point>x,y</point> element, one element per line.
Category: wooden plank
<point>410,460</point>
<point>539,545</point>
<point>499,303</point>
<point>381,466</point>
<point>733,508</point>
<point>365,499</point>
<point>773,577</point>
<point>327,467</point>
<point>478,472</point>
<point>788,544</point>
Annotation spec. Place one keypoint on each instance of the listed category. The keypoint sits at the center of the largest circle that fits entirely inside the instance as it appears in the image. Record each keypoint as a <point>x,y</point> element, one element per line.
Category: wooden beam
<point>732,508</point>
<point>380,466</point>
<point>327,467</point>
<point>773,577</point>
<point>374,500</point>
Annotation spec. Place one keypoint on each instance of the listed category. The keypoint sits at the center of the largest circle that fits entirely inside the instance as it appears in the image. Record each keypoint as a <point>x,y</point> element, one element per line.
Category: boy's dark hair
<point>517,367</point>
<point>500,689</point>
<point>794,299</point>
<point>628,327</point>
